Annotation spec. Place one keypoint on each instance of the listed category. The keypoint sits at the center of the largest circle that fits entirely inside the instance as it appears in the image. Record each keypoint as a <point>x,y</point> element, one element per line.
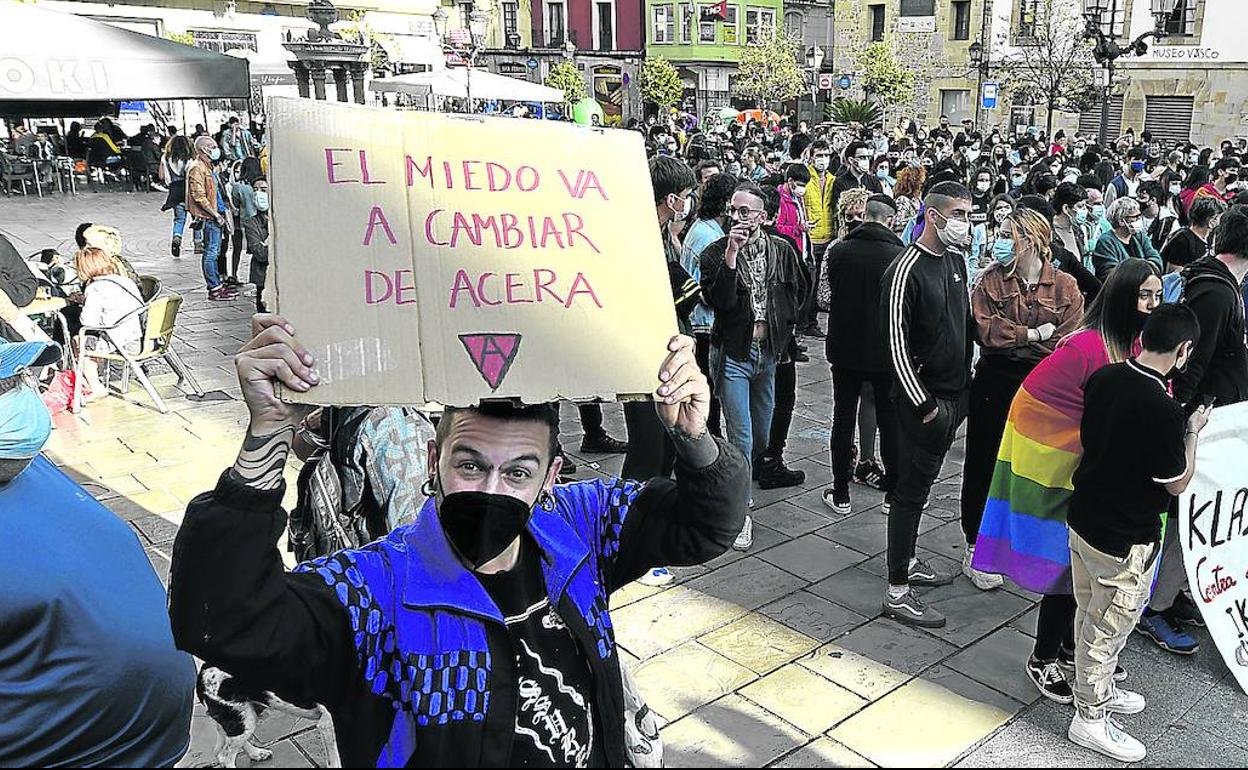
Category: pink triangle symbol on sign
<point>492,354</point>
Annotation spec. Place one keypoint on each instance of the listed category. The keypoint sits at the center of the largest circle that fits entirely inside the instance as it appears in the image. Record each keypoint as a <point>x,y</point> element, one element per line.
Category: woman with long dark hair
<point>173,168</point>
<point>1023,535</point>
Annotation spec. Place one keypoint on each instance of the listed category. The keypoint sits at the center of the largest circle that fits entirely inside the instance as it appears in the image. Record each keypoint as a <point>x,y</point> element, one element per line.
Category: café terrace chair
<point>18,170</point>
<point>159,321</point>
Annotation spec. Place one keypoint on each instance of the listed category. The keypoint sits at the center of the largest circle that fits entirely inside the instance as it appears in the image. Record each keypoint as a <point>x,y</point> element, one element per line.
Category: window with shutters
<point>962,20</point>
<point>918,7</point>
<point>1169,118</point>
<point>1090,120</point>
<point>877,23</point>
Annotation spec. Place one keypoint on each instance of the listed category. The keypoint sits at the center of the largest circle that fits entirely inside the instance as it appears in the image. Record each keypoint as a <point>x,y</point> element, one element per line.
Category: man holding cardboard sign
<point>479,634</point>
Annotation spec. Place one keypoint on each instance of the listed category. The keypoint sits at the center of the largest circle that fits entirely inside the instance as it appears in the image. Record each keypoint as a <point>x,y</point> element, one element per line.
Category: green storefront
<point>706,52</point>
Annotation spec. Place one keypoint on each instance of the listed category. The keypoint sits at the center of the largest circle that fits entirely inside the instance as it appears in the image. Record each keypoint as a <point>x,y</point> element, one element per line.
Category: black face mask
<point>480,525</point>
<point>1141,318</point>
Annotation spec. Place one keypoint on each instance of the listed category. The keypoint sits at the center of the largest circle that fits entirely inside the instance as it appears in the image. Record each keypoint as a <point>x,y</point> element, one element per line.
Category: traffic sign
<point>989,95</point>
<point>532,64</point>
<point>826,81</point>
<point>844,82</point>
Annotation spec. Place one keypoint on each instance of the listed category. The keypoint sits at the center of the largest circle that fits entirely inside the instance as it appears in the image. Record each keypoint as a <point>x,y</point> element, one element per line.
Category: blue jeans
<point>212,247</point>
<point>747,391</point>
<point>179,220</point>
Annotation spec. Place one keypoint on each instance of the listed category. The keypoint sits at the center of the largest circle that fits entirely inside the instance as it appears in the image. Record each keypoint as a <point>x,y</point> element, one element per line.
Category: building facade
<point>813,23</point>
<point>603,37</point>
<point>706,53</point>
<point>1192,84</point>
<point>931,38</point>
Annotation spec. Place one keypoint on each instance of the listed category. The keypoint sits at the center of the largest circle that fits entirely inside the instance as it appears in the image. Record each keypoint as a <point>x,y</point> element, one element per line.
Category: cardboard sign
<point>1213,520</point>
<point>425,257</point>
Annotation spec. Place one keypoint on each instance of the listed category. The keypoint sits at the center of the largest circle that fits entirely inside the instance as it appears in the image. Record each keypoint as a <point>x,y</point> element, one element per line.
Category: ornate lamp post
<point>1107,49</point>
<point>467,43</point>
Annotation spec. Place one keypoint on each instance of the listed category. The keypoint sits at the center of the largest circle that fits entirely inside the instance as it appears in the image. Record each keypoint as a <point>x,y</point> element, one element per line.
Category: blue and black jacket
<point>399,640</point>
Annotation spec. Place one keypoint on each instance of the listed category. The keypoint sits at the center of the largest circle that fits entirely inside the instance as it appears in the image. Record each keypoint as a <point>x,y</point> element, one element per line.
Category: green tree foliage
<point>660,83</point>
<point>567,78</point>
<point>883,77</point>
<point>1052,66</point>
<point>769,71</point>
<point>853,112</point>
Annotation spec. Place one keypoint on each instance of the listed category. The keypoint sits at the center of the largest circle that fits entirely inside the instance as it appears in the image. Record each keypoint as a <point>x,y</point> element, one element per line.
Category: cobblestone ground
<point>776,657</point>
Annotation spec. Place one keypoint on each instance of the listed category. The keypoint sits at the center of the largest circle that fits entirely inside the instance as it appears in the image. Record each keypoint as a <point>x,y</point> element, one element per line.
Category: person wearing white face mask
<point>1126,239</point>
<point>205,202</point>
<point>927,318</point>
<point>857,172</point>
<point>818,204</point>
<point>256,235</point>
<point>791,221</point>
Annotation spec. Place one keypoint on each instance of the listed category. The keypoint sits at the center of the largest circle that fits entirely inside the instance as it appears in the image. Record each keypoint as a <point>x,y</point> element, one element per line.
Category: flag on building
<point>716,12</point>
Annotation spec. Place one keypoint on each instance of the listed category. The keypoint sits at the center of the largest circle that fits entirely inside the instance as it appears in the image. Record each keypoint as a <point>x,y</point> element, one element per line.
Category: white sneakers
<point>746,538</point>
<point>982,580</point>
<point>1105,736</point>
<point>1125,702</point>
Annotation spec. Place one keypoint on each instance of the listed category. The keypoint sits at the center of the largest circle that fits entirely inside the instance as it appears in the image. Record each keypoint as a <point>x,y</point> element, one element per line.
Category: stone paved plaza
<point>776,657</point>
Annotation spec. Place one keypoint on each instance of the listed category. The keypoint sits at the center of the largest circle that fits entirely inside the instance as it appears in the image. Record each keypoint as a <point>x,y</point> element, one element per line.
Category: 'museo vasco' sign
<point>430,257</point>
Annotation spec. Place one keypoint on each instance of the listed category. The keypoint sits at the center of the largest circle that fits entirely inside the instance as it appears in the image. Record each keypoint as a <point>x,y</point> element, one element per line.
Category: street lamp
<point>1107,49</point>
<point>979,64</point>
<point>814,62</point>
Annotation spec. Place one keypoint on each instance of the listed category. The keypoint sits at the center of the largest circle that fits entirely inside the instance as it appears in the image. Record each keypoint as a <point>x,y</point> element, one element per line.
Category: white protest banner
<point>1214,534</point>
<point>430,257</point>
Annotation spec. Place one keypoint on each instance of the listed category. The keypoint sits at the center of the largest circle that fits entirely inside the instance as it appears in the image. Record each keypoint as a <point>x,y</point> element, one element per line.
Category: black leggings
<point>1055,626</point>
<point>997,380</point>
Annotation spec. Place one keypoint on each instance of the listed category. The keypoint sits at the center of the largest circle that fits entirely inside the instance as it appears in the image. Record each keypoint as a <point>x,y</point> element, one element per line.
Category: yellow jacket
<point>819,213</point>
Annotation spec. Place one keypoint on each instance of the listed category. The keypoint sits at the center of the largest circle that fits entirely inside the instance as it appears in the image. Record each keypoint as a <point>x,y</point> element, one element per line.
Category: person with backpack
<point>1217,372</point>
<point>1188,244</point>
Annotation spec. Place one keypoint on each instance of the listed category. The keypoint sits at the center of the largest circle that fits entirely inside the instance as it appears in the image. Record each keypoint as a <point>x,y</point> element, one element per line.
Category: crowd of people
<point>1080,307</point>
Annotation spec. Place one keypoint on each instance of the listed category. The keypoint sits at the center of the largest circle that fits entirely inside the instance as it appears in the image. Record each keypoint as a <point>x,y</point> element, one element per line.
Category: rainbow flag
<point>1023,535</point>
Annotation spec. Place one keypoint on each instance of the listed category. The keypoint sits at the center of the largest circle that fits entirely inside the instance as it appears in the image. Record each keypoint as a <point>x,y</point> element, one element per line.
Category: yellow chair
<point>159,320</point>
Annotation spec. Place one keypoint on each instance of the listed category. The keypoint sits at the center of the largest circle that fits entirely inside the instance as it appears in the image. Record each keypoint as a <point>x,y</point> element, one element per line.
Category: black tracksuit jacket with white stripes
<point>927,317</point>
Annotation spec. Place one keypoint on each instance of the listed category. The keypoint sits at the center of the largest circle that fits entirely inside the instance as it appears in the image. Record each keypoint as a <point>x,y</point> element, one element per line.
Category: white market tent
<point>52,60</point>
<point>461,82</point>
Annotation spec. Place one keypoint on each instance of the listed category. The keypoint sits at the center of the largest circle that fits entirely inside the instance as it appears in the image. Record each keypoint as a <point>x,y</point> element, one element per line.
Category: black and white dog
<point>237,709</point>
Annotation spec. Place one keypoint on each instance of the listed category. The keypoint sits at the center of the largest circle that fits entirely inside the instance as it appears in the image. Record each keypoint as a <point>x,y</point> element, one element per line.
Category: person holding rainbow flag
<point>1024,535</point>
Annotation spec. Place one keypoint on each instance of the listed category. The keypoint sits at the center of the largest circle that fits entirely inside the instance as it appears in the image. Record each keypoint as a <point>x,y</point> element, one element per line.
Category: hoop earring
<point>547,502</point>
<point>426,488</point>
